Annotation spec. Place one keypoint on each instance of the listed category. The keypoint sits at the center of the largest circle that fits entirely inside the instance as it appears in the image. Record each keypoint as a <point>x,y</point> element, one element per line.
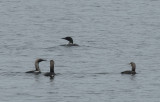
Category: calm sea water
<point>111,33</point>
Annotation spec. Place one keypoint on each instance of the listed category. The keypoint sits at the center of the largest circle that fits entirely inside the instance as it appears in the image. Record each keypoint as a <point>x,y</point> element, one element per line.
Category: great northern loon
<point>70,42</point>
<point>133,71</point>
<point>51,73</point>
<point>36,66</point>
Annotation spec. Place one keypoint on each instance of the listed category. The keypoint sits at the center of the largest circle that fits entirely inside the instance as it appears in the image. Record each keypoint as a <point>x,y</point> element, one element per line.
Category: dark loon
<point>70,42</point>
<point>36,66</point>
<point>51,73</point>
<point>133,71</point>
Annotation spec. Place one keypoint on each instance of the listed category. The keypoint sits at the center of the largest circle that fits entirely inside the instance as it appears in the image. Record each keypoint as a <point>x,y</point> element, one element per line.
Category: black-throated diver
<point>36,66</point>
<point>51,73</point>
<point>70,42</point>
<point>133,71</point>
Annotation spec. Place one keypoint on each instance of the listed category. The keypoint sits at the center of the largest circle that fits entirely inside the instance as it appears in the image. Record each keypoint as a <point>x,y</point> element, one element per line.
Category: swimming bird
<point>133,71</point>
<point>36,66</point>
<point>70,42</point>
<point>51,73</point>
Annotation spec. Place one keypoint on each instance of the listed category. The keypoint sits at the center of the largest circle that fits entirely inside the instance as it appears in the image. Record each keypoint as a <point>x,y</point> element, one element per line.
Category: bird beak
<point>44,60</point>
<point>62,38</point>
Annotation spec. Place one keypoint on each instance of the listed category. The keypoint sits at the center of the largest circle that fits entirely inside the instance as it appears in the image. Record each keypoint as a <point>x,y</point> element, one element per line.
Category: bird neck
<point>70,42</point>
<point>37,66</point>
<point>52,69</point>
<point>134,68</point>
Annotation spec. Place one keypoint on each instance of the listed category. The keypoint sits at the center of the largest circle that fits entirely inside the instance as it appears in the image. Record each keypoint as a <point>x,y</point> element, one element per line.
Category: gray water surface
<point>111,33</point>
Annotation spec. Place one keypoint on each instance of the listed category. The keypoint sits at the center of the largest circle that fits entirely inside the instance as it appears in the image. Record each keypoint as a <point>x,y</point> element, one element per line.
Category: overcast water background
<point>111,33</point>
